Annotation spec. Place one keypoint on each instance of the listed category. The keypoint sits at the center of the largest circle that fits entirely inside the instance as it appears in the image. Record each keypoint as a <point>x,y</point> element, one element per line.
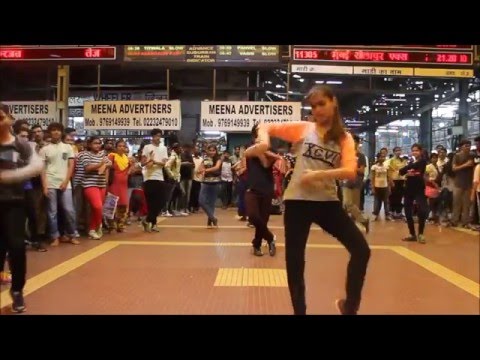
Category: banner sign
<point>35,112</point>
<point>239,116</point>
<point>132,115</point>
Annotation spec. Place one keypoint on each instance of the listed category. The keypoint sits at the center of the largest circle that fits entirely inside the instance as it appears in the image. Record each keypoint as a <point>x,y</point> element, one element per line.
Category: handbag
<point>431,192</point>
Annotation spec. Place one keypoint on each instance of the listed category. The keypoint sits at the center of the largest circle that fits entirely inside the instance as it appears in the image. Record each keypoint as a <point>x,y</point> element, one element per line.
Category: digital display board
<point>203,54</point>
<point>447,56</point>
<point>419,47</point>
<point>57,53</point>
<point>381,56</point>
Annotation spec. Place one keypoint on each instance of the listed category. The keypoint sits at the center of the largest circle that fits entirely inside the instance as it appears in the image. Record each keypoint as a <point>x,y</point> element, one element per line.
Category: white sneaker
<point>100,230</point>
<point>92,234</point>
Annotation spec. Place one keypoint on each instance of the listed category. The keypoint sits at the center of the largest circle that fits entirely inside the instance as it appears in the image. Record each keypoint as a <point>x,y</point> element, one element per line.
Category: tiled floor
<point>188,269</point>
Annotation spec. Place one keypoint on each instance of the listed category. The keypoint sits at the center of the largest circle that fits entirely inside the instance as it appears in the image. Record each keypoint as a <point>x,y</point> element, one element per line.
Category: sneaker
<point>147,226</point>
<point>272,248</point>
<point>410,238</point>
<point>92,234</point>
<point>257,251</point>
<point>215,223</point>
<point>38,246</point>
<point>100,230</point>
<point>18,304</point>
<point>342,309</point>
<point>421,239</point>
<point>154,228</point>
<point>209,224</point>
<point>167,214</point>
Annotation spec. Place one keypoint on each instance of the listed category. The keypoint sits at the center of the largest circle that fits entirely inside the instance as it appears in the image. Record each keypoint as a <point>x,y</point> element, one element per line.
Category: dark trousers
<point>156,193</point>
<point>194,194</point>
<point>362,197</point>
<point>258,211</point>
<point>12,241</point>
<point>241,188</point>
<point>380,196</point>
<point>396,196</point>
<point>422,211</point>
<point>331,217</point>
<point>227,190</point>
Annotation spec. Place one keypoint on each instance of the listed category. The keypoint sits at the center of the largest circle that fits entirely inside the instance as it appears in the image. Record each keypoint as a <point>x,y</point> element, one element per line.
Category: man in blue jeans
<point>59,162</point>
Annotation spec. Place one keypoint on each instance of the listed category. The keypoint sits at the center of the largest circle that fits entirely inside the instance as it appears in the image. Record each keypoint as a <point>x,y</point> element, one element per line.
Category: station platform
<point>189,269</point>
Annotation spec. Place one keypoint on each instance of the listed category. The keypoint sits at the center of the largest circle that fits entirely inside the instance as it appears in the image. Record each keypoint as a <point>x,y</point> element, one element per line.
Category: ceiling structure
<point>367,101</point>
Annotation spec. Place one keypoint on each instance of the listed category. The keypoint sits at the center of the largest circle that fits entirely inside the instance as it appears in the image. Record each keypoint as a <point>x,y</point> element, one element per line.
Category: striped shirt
<point>79,172</point>
<point>94,179</point>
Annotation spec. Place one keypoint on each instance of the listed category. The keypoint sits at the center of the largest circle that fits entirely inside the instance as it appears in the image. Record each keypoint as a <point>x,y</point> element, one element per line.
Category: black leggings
<point>12,241</point>
<point>258,208</point>
<point>156,193</point>
<point>330,216</point>
<point>422,211</point>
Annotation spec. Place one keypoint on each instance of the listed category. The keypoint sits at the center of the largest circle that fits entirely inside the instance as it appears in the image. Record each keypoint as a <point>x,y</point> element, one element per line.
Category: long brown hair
<point>337,132</point>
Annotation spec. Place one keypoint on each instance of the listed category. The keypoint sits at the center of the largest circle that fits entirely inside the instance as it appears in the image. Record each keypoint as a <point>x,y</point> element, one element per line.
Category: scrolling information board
<point>203,54</point>
<point>57,52</point>
<point>448,61</point>
<point>379,55</point>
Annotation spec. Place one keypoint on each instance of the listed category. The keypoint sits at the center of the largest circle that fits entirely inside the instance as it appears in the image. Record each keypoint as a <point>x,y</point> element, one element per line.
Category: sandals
<point>70,240</point>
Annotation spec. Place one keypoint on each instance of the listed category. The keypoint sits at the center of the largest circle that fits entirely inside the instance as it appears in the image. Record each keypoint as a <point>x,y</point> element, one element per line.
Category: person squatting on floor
<point>326,152</point>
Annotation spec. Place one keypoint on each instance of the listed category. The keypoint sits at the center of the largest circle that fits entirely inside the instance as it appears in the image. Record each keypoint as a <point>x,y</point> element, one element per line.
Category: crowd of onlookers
<point>452,184</point>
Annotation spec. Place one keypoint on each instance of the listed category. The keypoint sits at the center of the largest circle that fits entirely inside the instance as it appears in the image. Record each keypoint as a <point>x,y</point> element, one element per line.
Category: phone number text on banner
<point>40,113</point>
<point>132,115</point>
<point>238,116</point>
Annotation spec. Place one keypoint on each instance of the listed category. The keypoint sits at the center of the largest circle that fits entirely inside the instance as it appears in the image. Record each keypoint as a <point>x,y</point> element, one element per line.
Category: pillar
<point>63,84</point>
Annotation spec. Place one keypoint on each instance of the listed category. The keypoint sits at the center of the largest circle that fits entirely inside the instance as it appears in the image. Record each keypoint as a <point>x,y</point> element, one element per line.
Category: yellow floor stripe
<point>454,278</point>
<point>58,271</point>
<point>240,277</point>
<point>467,231</point>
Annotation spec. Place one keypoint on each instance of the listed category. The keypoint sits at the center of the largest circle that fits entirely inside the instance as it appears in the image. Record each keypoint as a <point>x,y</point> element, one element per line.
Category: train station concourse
<point>239,180</point>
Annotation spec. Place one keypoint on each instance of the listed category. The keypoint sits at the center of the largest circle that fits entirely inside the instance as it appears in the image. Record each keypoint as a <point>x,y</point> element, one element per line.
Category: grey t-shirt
<point>314,154</point>
<point>463,178</point>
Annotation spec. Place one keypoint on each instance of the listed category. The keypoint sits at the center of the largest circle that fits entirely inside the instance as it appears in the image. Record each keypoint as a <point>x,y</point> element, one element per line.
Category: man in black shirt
<point>258,197</point>
<point>18,162</point>
<point>186,174</point>
<point>463,166</point>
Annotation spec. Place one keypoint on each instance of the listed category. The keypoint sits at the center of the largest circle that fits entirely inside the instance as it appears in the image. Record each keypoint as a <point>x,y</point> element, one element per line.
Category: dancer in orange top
<point>325,153</point>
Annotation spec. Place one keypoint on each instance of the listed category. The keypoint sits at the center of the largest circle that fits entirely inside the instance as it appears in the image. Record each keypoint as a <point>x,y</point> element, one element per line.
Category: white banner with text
<point>35,112</point>
<point>239,116</point>
<point>132,115</point>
